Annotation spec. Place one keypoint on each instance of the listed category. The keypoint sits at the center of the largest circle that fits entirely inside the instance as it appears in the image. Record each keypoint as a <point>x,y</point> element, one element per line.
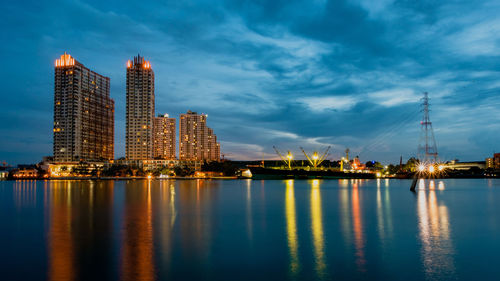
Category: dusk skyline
<point>289,74</point>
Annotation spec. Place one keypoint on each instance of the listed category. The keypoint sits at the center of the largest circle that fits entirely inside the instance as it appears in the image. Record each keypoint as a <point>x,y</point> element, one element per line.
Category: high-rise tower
<point>83,113</point>
<point>427,149</point>
<point>140,109</point>
<point>164,137</point>
<point>196,140</point>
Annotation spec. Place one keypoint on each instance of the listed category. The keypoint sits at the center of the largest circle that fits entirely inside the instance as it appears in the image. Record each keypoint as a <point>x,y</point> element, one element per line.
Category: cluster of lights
<point>431,168</point>
<point>146,64</point>
<point>65,60</point>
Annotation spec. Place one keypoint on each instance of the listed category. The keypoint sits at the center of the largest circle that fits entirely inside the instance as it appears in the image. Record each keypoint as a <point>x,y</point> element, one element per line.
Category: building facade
<point>490,164</point>
<point>83,113</point>
<point>496,161</point>
<point>197,142</point>
<point>140,110</point>
<point>164,137</point>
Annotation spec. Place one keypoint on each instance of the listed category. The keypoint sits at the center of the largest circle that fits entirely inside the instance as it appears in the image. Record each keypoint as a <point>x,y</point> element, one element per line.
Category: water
<point>249,230</point>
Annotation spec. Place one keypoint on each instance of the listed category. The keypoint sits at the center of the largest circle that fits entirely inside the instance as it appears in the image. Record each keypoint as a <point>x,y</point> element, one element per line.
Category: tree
<point>374,165</point>
<point>411,164</point>
<point>183,171</point>
<point>226,167</point>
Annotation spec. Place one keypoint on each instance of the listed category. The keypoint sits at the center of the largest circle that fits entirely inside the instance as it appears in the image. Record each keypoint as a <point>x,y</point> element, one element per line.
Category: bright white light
<point>421,167</point>
<point>431,168</point>
<point>441,167</point>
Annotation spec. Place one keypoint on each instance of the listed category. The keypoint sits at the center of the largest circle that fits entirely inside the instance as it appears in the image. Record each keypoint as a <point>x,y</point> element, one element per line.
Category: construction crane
<point>288,159</point>
<point>315,159</point>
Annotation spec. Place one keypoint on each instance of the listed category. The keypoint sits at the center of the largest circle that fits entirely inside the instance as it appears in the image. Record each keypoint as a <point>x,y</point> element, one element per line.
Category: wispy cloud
<point>340,103</point>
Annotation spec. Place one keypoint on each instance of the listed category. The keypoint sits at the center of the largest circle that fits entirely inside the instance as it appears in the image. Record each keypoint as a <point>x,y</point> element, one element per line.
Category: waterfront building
<point>140,109</point>
<point>196,140</point>
<point>25,174</point>
<point>164,137</point>
<point>457,165</point>
<point>496,161</point>
<point>490,164</point>
<point>73,169</point>
<point>83,113</point>
<point>150,165</point>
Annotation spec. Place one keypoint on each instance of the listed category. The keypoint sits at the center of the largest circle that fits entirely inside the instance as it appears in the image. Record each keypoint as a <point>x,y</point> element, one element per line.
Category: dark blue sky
<point>285,73</point>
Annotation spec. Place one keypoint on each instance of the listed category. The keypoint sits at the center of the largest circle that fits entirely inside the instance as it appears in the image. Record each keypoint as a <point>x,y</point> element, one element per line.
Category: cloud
<point>339,103</point>
<point>393,97</point>
<point>285,73</point>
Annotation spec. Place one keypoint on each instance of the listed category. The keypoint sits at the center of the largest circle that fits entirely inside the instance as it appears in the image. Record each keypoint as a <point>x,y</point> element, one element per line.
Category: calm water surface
<point>250,230</point>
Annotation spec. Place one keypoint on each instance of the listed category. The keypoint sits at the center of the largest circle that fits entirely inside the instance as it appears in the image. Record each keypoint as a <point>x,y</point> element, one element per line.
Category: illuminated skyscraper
<point>164,137</point>
<point>140,109</point>
<point>196,140</point>
<point>83,113</point>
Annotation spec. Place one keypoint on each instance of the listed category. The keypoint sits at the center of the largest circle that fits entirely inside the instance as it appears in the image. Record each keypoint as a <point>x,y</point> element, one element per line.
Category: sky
<point>289,74</point>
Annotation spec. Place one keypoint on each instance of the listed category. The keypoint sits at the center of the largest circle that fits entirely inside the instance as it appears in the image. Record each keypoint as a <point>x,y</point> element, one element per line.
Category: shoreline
<point>232,178</point>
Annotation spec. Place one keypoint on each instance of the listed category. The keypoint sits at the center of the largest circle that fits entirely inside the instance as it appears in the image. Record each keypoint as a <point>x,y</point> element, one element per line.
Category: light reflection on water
<point>137,232</point>
<point>317,229</point>
<point>245,230</point>
<point>437,247</point>
<point>291,224</point>
<point>359,241</point>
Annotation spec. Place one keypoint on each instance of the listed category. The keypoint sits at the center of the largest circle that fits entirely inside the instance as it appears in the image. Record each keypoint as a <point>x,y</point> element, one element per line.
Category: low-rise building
<point>4,174</point>
<point>25,174</point>
<point>153,164</point>
<point>73,169</point>
<point>456,165</point>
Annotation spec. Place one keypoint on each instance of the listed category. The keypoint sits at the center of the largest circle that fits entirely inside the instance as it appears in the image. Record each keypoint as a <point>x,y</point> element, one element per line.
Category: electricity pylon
<point>427,149</point>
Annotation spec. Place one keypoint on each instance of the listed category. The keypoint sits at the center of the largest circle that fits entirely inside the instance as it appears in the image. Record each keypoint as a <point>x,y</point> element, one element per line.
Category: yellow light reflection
<point>25,193</point>
<point>384,217</point>
<point>345,212</point>
<point>249,210</point>
<point>421,184</point>
<point>137,259</point>
<point>441,185</point>
<point>167,222</point>
<point>380,216</point>
<point>61,247</point>
<point>291,226</point>
<point>434,232</point>
<point>432,185</point>
<point>317,228</point>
